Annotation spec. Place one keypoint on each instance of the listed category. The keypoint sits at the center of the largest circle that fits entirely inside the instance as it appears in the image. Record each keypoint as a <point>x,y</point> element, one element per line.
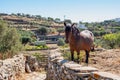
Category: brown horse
<point>78,40</point>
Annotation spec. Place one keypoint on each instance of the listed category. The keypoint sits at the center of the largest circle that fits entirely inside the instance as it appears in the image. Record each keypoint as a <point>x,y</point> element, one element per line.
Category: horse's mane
<point>76,31</point>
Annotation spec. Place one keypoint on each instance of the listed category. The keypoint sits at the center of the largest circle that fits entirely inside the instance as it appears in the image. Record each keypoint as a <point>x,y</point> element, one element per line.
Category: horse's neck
<point>75,37</point>
<point>76,34</point>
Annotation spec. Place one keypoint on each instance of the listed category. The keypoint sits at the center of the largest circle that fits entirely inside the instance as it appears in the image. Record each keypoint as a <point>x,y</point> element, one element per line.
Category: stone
<point>71,65</point>
<point>61,61</point>
<point>1,77</point>
<point>1,63</point>
<point>83,69</point>
<point>56,59</point>
<point>35,65</point>
<point>105,76</point>
<point>27,68</point>
<point>82,75</point>
<point>68,77</point>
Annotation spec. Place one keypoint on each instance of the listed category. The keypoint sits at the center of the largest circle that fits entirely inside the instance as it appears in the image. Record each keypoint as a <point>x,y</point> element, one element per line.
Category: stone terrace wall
<point>17,65</point>
<point>61,69</point>
<point>12,66</point>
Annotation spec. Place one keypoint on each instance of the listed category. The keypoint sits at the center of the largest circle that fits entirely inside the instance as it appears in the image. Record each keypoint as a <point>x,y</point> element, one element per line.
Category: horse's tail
<point>92,48</point>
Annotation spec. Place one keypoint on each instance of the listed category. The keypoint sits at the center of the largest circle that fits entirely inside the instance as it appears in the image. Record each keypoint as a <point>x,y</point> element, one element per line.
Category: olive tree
<point>9,39</point>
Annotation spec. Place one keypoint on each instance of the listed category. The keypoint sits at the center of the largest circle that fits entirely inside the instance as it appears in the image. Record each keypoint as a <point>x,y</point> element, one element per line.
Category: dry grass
<point>108,61</point>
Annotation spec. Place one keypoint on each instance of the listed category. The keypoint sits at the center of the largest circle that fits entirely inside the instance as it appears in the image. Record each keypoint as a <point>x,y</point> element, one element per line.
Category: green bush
<point>98,42</point>
<point>112,40</point>
<point>27,35</point>
<point>25,40</point>
<point>9,39</point>
<point>40,43</point>
<point>43,30</point>
<point>60,42</point>
<point>60,30</point>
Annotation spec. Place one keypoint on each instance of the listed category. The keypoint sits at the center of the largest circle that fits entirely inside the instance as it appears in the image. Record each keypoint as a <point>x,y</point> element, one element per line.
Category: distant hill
<point>30,21</point>
<point>117,19</point>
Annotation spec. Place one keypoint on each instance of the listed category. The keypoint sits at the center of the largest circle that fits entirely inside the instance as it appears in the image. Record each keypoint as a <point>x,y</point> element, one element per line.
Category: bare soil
<point>107,60</point>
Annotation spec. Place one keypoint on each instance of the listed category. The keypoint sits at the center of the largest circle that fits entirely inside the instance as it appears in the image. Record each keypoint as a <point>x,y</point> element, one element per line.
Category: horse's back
<point>87,34</point>
<point>86,39</point>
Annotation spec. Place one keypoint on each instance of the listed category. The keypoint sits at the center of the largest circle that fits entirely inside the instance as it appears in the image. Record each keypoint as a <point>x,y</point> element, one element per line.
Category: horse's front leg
<point>87,56</point>
<point>78,58</point>
<point>72,55</point>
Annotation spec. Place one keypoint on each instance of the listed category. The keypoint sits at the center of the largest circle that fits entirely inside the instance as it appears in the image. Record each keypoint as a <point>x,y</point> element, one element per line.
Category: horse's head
<point>68,30</point>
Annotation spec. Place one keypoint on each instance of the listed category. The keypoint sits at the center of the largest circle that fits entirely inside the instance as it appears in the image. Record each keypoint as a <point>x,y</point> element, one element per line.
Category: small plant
<point>26,40</point>
<point>60,42</point>
<point>38,56</point>
<point>67,55</point>
<point>40,43</point>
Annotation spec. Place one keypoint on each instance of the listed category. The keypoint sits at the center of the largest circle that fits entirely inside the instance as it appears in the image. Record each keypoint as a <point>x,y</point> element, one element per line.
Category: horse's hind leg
<point>72,55</point>
<point>78,58</point>
<point>87,56</point>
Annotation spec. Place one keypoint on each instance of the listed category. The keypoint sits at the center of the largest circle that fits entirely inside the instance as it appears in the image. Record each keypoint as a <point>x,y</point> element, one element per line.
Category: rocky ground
<point>32,76</point>
<point>107,60</point>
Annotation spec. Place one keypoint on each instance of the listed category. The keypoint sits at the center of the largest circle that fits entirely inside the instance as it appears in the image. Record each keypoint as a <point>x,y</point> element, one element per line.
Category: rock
<point>27,68</point>
<point>1,77</point>
<point>35,66</point>
<point>104,76</point>
<point>1,63</point>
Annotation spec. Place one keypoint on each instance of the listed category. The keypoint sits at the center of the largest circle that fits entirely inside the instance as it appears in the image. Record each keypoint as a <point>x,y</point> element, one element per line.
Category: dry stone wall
<point>10,67</point>
<point>61,69</point>
<point>17,65</point>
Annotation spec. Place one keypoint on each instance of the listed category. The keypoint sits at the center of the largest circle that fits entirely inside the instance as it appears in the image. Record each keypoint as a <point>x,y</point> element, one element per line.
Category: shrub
<point>9,39</point>
<point>27,36</point>
<point>60,30</point>
<point>40,43</point>
<point>60,42</point>
<point>43,31</point>
<point>112,40</point>
<point>52,30</point>
<point>25,40</point>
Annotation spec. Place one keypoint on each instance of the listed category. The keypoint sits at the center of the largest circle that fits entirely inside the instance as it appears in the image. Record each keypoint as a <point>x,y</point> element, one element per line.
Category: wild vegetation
<point>112,40</point>
<point>9,40</point>
<point>60,42</point>
<point>27,36</point>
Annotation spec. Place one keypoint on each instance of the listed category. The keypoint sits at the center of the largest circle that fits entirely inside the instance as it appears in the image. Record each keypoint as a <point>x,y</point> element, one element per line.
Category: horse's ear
<point>65,24</point>
<point>74,25</point>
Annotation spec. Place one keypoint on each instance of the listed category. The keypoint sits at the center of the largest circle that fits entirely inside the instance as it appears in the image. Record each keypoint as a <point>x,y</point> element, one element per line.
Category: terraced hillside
<point>30,21</point>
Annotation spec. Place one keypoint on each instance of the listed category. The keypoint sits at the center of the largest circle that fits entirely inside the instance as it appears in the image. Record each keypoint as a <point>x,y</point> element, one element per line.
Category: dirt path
<point>32,76</point>
<point>35,76</point>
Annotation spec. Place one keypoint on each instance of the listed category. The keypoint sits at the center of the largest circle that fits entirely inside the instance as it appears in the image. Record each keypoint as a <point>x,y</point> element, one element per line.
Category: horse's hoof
<point>86,64</point>
<point>77,61</point>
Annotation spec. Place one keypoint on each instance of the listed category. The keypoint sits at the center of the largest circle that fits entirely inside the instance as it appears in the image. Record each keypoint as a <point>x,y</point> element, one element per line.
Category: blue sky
<point>76,10</point>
